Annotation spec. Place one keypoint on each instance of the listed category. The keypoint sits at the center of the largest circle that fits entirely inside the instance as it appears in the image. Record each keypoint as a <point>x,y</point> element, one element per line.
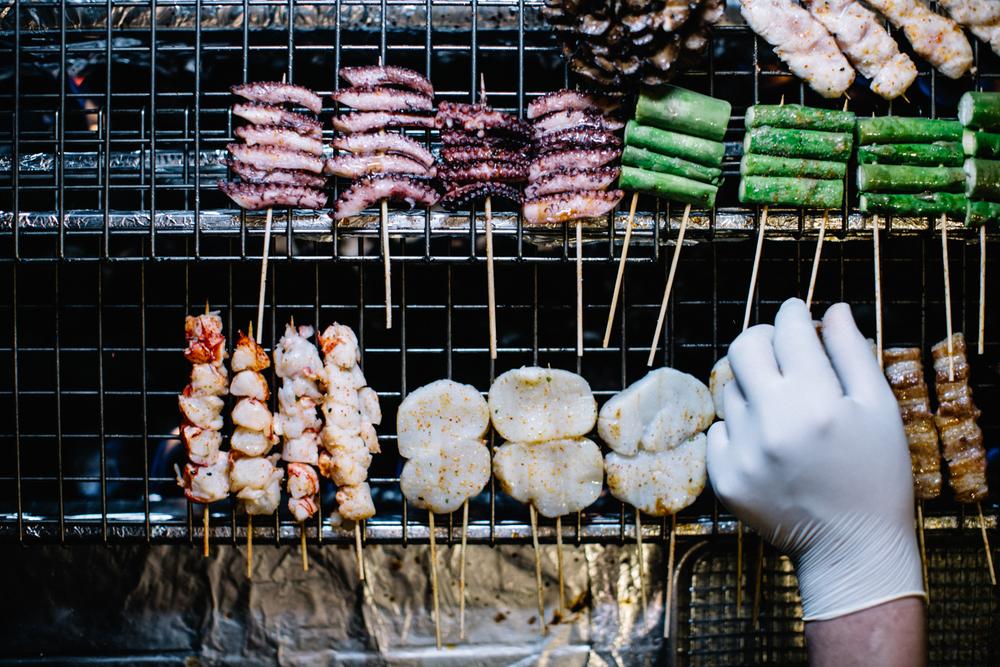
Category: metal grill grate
<point>112,229</point>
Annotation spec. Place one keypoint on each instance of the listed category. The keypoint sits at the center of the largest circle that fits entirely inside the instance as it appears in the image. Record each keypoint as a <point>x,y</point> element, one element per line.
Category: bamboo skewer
<point>204,521</point>
<point>361,554</point>
<point>920,540</point>
<point>982,288</point>
<point>579,288</point>
<point>986,543</point>
<point>878,292</point>
<point>263,275</point>
<point>947,295</point>
<point>760,581</point>
<point>387,264</point>
<point>642,568</point>
<point>621,267</point>
<point>819,250</point>
<point>756,267</point>
<point>670,283</point>
<point>461,571</point>
<point>538,572</point>
<point>305,554</point>
<point>739,567</point>
<point>249,546</point>
<point>670,578</point>
<point>559,560</point>
<point>434,580</point>
<point>490,282</point>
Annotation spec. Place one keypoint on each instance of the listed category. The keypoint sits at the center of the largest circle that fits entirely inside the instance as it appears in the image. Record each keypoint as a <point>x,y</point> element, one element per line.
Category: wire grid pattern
<point>962,619</point>
<point>91,360</point>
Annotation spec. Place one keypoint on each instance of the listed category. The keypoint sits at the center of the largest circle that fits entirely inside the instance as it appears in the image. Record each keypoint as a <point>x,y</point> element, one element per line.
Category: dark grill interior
<point>114,127</point>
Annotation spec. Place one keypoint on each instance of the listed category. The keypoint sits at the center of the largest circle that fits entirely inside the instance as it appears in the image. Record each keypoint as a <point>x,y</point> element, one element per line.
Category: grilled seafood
<point>905,373</point>
<point>571,179</point>
<point>259,197</point>
<point>380,98</point>
<point>275,135</point>
<point>384,142</point>
<point>379,75</point>
<point>566,206</point>
<point>265,114</point>
<point>370,190</point>
<point>277,92</point>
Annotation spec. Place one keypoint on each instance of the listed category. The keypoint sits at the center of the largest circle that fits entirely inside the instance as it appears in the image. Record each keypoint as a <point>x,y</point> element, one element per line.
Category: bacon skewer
<point>205,478</point>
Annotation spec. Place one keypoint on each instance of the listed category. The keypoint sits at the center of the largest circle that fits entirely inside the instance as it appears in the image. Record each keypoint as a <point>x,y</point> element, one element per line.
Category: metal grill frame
<point>173,227</point>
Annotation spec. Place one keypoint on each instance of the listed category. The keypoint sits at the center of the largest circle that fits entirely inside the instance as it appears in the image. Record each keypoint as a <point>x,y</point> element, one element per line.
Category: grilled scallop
<point>659,483</point>
<point>557,477</point>
<point>657,413</point>
<point>533,404</point>
<point>440,429</point>
<point>721,375</point>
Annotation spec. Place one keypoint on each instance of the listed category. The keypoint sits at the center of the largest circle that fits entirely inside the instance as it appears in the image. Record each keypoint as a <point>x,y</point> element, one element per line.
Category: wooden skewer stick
<point>760,583</point>
<point>986,543</point>
<point>947,295</point>
<point>204,521</point>
<point>982,288</point>
<point>621,268</point>
<point>263,275</point>
<point>670,283</point>
<point>305,554</point>
<point>878,291</point>
<point>756,266</point>
<point>490,282</point>
<point>579,288</point>
<point>434,580</point>
<point>670,578</point>
<point>642,568</point>
<point>819,249</point>
<point>739,567</point>
<point>538,572</point>
<point>249,546</point>
<point>461,572</point>
<point>559,560</point>
<point>361,554</point>
<point>920,539</point>
<point>384,228</point>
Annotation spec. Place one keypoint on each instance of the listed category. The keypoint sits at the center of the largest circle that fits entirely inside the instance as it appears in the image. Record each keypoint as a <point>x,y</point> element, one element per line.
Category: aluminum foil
<point>169,601</point>
<point>38,15</point>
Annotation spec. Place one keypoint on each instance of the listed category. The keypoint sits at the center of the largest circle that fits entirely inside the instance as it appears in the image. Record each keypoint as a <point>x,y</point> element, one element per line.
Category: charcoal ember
<point>619,44</point>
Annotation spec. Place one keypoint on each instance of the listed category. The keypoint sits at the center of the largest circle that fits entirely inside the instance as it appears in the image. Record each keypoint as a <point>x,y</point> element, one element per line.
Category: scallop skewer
<point>440,432</point>
<point>546,463</point>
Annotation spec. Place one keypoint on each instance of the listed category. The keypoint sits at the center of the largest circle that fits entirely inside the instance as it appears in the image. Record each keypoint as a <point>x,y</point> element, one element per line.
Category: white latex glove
<point>813,457</point>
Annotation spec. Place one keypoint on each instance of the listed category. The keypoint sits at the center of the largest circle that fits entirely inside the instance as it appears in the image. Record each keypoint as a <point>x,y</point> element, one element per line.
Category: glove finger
<point>798,349</point>
<point>751,358</point>
<point>851,356</point>
<point>719,461</point>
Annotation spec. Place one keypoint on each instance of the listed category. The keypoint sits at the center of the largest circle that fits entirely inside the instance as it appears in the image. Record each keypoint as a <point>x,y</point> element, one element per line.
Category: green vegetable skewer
<point>669,187</point>
<point>685,111</point>
<point>931,203</point>
<point>767,165</point>
<point>938,154</point>
<point>900,130</point>
<point>685,146</point>
<point>980,110</point>
<point>902,179</point>
<point>981,213</point>
<point>798,117</point>
<point>981,144</point>
<point>982,179</point>
<point>634,156</point>
<point>798,143</point>
<point>791,191</point>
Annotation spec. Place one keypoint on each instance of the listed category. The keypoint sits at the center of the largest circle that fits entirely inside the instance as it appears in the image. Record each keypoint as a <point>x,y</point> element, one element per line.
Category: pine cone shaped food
<point>621,43</point>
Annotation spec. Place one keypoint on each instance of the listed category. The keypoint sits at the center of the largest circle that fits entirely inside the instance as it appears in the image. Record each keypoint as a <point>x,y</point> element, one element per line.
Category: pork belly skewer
<point>655,429</point>
<point>486,156</point>
<point>205,478</point>
<point>961,437</point>
<point>255,478</point>
<point>350,413</point>
<point>905,373</point>
<point>383,170</point>
<point>441,428</point>
<point>298,364</point>
<point>546,463</point>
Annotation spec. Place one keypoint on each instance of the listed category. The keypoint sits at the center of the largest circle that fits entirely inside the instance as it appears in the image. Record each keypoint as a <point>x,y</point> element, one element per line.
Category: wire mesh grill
<point>112,118</point>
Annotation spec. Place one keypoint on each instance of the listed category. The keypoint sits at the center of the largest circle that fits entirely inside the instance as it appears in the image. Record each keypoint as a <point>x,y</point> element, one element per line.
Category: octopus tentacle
<point>276,92</point>
<point>380,98</point>
<point>265,114</point>
<point>585,158</point>
<point>393,187</point>
<point>483,170</point>
<point>464,195</point>
<point>250,174</point>
<point>366,121</point>
<point>254,197</point>
<point>567,180</point>
<point>375,75</point>
<point>577,137</point>
<point>356,165</point>
<point>563,120</point>
<point>271,157</point>
<point>476,153</point>
<point>559,208</point>
<point>391,142</point>
<point>478,119</point>
<point>570,100</point>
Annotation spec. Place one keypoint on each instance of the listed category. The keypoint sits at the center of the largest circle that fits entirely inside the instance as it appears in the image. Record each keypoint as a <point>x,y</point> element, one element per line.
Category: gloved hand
<point>813,457</point>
